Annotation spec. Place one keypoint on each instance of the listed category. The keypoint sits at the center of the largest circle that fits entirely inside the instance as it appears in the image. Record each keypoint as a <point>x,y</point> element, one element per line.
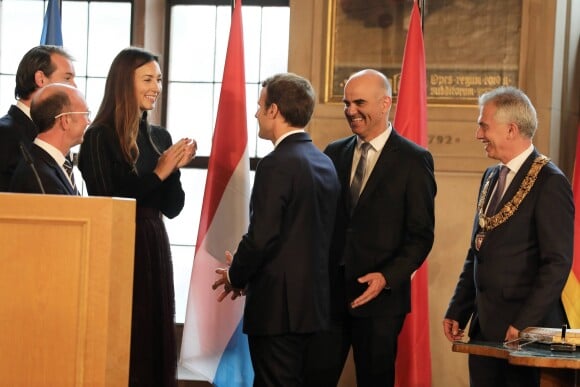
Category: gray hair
<point>513,105</point>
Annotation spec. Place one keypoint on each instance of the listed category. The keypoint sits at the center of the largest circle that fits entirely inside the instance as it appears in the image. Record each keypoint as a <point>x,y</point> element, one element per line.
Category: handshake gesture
<point>224,280</point>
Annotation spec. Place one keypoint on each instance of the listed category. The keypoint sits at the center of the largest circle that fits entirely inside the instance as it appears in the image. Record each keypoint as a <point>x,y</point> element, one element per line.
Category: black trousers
<point>278,360</point>
<point>374,344</point>
<point>326,355</point>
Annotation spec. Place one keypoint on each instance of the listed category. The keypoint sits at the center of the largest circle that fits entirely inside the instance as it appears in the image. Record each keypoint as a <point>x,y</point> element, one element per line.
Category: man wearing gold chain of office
<point>522,241</point>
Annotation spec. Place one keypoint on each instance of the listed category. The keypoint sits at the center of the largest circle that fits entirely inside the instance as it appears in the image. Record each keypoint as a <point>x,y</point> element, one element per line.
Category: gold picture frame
<point>470,46</point>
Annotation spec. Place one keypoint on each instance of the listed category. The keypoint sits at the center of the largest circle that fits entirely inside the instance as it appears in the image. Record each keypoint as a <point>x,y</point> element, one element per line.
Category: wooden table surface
<point>558,369</point>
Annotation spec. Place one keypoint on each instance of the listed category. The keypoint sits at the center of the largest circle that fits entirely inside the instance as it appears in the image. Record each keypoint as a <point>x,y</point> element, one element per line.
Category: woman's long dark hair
<point>119,108</point>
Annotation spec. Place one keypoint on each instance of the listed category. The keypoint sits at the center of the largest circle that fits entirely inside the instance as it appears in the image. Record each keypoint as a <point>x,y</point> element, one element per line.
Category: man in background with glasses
<point>40,66</point>
<point>61,115</point>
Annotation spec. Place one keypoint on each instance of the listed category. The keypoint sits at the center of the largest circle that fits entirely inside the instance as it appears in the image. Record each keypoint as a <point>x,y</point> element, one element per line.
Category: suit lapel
<point>492,183</point>
<point>493,180</point>
<point>518,178</point>
<point>344,170</point>
<point>510,192</point>
<point>44,157</point>
<point>386,163</point>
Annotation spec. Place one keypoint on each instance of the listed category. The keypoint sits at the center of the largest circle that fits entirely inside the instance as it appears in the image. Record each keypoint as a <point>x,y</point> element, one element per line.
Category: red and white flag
<point>213,345</point>
<point>413,366</point>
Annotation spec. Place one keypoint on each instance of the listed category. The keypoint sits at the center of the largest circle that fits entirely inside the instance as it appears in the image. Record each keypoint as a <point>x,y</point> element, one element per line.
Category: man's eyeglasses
<point>88,114</point>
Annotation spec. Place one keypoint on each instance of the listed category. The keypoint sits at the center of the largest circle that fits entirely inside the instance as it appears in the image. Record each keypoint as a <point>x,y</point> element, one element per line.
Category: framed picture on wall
<point>471,46</point>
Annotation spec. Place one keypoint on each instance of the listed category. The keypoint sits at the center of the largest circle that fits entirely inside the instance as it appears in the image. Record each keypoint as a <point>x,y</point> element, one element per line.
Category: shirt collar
<point>378,142</point>
<point>516,163</point>
<point>282,137</point>
<point>51,150</point>
<point>25,109</point>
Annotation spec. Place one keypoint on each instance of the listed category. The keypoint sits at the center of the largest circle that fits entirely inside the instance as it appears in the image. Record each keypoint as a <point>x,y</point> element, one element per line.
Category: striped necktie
<point>500,186</point>
<point>359,173</point>
<point>68,167</point>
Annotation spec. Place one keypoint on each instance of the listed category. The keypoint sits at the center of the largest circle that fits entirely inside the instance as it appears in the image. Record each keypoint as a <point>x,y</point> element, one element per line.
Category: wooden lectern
<point>66,280</point>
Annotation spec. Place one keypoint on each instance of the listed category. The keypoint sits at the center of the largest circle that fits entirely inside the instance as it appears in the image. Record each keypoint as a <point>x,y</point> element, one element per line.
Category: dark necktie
<point>359,173</point>
<point>68,167</point>
<point>500,186</point>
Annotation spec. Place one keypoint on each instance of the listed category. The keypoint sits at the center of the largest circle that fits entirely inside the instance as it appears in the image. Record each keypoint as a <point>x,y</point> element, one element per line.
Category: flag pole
<point>422,13</point>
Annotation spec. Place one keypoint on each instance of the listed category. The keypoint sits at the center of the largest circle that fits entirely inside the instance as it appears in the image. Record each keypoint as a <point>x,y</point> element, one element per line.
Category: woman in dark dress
<point>123,155</point>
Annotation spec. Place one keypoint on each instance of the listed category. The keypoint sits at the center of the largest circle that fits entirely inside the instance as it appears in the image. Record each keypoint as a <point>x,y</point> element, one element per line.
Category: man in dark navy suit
<point>282,261</point>
<point>521,249</point>
<point>40,66</point>
<point>383,233</point>
<point>61,115</point>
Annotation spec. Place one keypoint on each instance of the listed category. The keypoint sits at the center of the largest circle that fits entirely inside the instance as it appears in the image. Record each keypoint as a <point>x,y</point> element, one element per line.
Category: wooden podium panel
<point>66,280</point>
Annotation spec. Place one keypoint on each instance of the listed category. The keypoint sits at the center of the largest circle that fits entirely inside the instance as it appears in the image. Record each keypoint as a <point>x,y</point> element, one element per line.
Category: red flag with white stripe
<point>213,345</point>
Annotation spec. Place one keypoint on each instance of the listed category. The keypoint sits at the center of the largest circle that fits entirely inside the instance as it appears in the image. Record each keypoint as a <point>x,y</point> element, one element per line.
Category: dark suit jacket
<point>50,173</point>
<point>15,127</point>
<point>390,230</point>
<point>517,276</point>
<point>282,260</point>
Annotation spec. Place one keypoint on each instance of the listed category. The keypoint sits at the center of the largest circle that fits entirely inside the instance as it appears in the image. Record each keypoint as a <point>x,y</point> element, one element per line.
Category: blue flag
<point>52,30</point>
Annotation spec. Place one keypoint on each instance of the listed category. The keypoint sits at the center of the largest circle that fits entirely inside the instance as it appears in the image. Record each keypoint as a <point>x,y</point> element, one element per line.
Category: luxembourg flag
<point>213,346</point>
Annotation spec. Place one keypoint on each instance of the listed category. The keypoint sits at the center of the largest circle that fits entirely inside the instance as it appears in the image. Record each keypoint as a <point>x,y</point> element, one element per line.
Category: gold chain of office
<point>488,223</point>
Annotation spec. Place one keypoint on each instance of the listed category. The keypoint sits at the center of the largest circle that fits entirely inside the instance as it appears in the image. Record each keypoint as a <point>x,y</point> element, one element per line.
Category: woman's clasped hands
<point>176,156</point>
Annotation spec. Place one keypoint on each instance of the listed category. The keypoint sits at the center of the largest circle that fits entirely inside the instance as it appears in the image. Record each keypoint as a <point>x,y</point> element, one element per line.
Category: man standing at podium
<point>61,115</point>
<point>521,245</point>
